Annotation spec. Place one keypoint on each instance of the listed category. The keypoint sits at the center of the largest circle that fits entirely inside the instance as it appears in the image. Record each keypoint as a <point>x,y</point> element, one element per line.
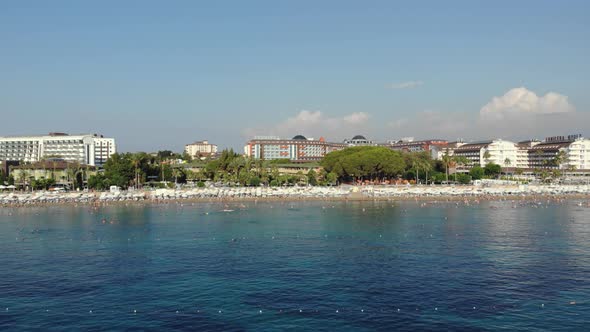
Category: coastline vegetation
<point>363,164</point>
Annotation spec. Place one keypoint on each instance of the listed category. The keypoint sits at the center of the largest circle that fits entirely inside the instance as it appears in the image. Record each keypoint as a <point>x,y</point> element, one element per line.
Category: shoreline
<point>301,194</point>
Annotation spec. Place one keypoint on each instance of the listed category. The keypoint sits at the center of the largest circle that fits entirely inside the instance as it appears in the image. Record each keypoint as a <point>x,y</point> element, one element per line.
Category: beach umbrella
<point>2,187</point>
<point>11,187</point>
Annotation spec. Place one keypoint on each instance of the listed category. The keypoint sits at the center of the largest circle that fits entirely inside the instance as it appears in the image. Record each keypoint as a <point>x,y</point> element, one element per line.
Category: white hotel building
<point>200,148</point>
<point>503,153</point>
<point>87,149</point>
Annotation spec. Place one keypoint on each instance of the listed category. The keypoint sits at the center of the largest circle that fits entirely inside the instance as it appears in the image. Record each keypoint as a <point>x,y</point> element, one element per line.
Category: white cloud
<point>407,85</point>
<point>518,114</point>
<point>315,124</point>
<point>356,118</point>
<point>398,124</point>
<point>522,102</point>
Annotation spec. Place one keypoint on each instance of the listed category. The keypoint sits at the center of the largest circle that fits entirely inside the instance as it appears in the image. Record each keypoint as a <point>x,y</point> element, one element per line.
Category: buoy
<point>90,311</point>
<point>134,311</point>
<point>436,309</point>
<point>336,310</point>
<point>542,305</point>
<point>299,310</point>
<point>260,311</point>
<point>397,310</point>
<point>362,310</point>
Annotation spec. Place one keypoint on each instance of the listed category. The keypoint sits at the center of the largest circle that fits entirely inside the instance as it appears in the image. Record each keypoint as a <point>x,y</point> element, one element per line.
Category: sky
<point>160,74</point>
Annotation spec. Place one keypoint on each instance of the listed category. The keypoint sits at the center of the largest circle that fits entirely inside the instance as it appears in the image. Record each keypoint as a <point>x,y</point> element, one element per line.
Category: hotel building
<point>409,145</point>
<point>438,151</point>
<point>503,153</point>
<point>358,140</point>
<point>87,149</point>
<point>297,149</point>
<point>561,152</point>
<point>200,148</point>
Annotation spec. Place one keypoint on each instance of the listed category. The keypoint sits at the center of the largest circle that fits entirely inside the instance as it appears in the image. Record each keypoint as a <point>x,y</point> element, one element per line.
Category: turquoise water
<point>297,266</point>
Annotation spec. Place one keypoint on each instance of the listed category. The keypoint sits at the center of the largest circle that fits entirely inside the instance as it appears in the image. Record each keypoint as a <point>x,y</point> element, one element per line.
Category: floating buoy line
<point>28,309</point>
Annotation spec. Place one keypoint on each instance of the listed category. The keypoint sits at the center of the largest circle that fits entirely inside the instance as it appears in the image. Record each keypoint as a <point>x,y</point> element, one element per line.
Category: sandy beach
<point>300,193</point>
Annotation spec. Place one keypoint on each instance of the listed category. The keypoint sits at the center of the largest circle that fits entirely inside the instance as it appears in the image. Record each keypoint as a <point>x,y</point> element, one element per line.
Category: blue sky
<point>157,74</point>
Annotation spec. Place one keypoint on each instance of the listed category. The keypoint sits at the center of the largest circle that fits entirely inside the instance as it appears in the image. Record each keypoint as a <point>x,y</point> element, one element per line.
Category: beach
<point>300,193</point>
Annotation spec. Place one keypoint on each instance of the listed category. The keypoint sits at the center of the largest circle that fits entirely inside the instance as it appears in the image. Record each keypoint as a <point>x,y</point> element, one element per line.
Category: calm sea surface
<point>334,266</point>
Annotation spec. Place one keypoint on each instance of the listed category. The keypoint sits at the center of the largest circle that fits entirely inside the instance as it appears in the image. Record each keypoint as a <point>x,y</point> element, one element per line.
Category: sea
<point>297,266</point>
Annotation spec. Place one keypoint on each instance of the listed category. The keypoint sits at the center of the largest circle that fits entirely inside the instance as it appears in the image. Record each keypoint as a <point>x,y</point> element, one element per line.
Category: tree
<point>254,181</point>
<point>463,178</point>
<point>560,159</point>
<point>187,157</point>
<point>460,160</point>
<point>364,162</point>
<point>447,160</point>
<point>165,154</point>
<point>312,178</point>
<point>492,170</point>
<point>486,156</point>
<point>98,182</point>
<point>477,172</point>
<point>331,178</point>
<point>138,159</point>
<point>118,170</point>
<point>426,167</point>
<point>507,162</point>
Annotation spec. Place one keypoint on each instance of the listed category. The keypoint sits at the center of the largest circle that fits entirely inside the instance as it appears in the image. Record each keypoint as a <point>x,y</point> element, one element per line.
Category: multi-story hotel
<point>558,152</point>
<point>297,149</point>
<point>438,151</point>
<point>87,149</point>
<point>561,152</point>
<point>409,145</point>
<point>522,154</point>
<point>200,148</point>
<point>503,153</point>
<point>358,140</point>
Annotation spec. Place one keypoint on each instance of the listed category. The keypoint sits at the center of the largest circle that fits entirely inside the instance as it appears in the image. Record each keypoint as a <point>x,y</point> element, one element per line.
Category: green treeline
<point>364,163</point>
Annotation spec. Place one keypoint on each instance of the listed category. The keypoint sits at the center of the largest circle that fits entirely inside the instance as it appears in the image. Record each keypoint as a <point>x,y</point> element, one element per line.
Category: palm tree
<point>560,159</point>
<point>486,156</point>
<point>426,167</point>
<point>71,174</point>
<point>176,172</point>
<point>507,162</point>
<point>460,160</point>
<point>538,155</point>
<point>570,168</point>
<point>447,160</point>
<point>416,164</point>
<point>137,159</point>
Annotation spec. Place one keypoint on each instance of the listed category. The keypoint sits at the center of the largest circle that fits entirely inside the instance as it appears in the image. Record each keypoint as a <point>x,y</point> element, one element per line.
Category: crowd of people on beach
<point>293,193</point>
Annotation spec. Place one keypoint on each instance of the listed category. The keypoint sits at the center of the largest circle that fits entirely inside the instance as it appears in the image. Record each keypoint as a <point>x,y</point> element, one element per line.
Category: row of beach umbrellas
<point>11,187</point>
